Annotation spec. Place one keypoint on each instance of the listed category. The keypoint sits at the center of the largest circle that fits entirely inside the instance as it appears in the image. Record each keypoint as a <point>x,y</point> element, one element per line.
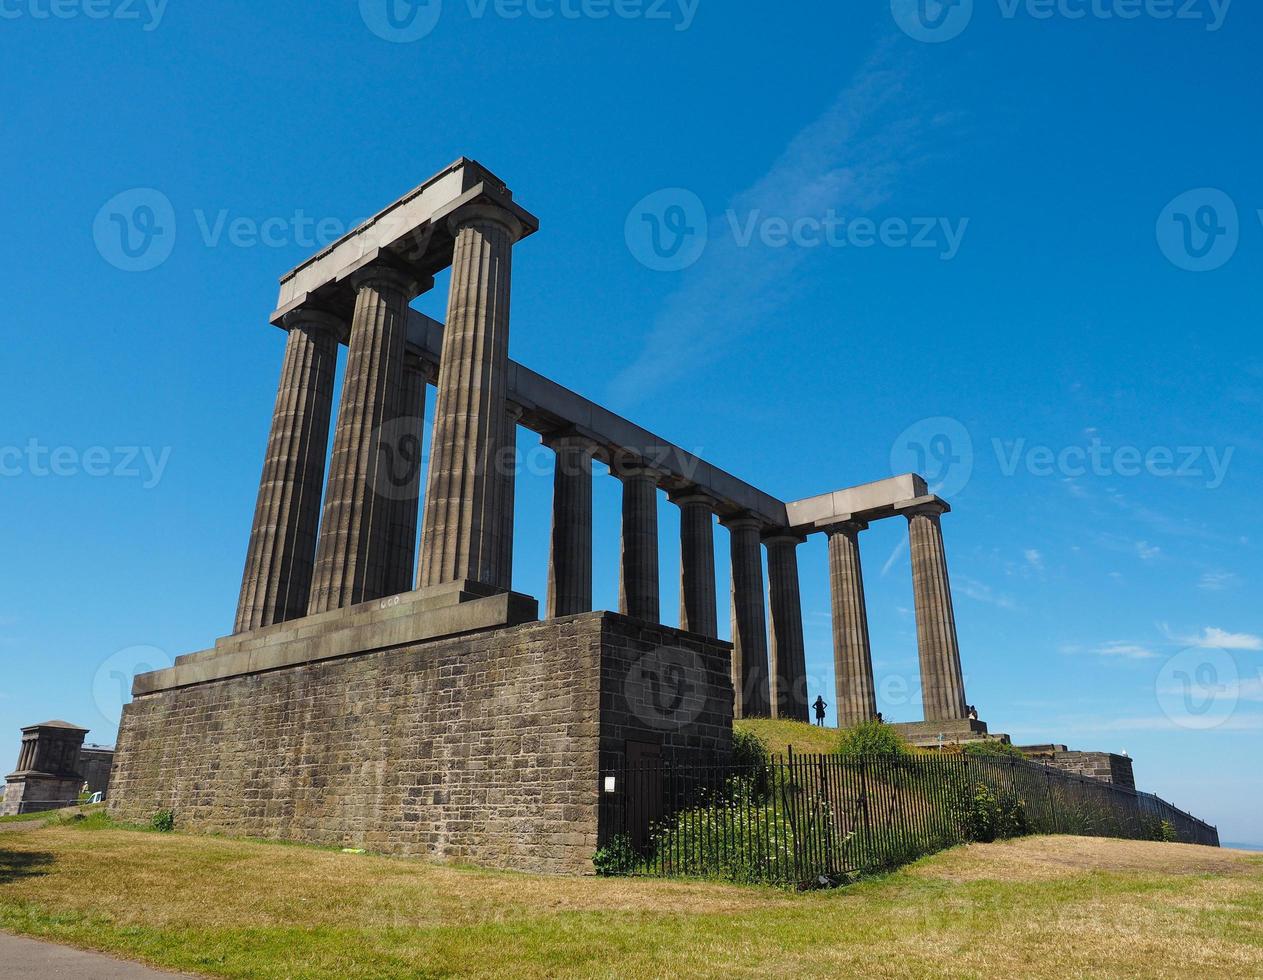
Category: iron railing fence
<point>816,818</point>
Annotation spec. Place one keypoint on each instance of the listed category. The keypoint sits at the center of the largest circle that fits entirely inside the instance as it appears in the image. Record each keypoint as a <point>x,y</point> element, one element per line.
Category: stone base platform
<point>366,728</point>
<point>929,734</point>
<point>36,792</point>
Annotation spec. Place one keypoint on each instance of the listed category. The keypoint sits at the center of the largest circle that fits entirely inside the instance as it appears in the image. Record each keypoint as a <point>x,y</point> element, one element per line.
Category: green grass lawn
<point>1039,907</point>
<point>780,735</point>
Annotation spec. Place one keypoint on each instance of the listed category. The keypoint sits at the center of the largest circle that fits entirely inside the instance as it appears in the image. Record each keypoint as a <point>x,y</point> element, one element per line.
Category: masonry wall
<point>483,748</point>
<point>1105,766</point>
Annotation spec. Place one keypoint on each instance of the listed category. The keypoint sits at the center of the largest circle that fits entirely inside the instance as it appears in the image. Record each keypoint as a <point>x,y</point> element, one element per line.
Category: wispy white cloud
<point>900,548</point>
<point>981,592</point>
<point>1212,637</point>
<point>1217,581</point>
<point>1147,551</point>
<point>1034,558</point>
<point>1128,651</point>
<point>851,159</point>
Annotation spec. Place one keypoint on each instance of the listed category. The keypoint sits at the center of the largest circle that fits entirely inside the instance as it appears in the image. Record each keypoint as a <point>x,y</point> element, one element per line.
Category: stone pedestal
<point>483,748</point>
<point>698,607</point>
<point>276,584</point>
<point>638,579</point>
<point>789,654</point>
<point>942,681</point>
<point>749,620</point>
<point>466,512</point>
<point>353,556</point>
<point>570,552</point>
<point>856,697</point>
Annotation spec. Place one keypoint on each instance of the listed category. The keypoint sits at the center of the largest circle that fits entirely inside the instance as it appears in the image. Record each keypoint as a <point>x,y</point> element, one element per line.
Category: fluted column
<point>638,578</point>
<point>698,612</point>
<point>403,443</point>
<point>508,476</point>
<point>354,551</point>
<point>856,697</point>
<point>466,516</point>
<point>789,651</point>
<point>570,553</point>
<point>942,681</point>
<point>749,620</point>
<point>276,584</point>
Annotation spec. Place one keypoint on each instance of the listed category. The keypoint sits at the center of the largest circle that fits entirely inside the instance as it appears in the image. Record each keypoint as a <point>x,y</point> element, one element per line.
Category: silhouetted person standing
<point>820,705</point>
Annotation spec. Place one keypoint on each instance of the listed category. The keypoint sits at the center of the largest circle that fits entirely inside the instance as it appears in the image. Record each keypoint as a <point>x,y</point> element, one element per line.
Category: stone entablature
<point>483,748</point>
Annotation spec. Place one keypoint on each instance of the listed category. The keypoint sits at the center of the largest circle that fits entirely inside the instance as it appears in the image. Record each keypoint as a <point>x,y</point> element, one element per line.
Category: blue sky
<point>1070,327</point>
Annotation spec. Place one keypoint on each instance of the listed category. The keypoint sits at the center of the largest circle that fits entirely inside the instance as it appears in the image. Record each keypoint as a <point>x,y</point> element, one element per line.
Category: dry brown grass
<point>1040,907</point>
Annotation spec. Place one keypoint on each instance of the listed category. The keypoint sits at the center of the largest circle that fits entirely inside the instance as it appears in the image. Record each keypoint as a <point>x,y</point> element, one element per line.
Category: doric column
<point>354,550</point>
<point>570,553</point>
<point>856,698</point>
<point>403,475</point>
<point>465,508</point>
<point>638,578</point>
<point>942,682</point>
<point>749,620</point>
<point>789,652</point>
<point>697,563</point>
<point>276,585</point>
<point>508,476</point>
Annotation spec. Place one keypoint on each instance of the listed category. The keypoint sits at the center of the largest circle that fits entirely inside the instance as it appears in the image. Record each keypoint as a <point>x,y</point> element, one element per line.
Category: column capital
<point>514,411</point>
<point>483,211</point>
<point>742,522</point>
<point>569,438</point>
<point>850,528</point>
<point>692,495</point>
<point>385,275</point>
<point>928,506</point>
<point>783,535</point>
<point>317,320</point>
<point>636,471</point>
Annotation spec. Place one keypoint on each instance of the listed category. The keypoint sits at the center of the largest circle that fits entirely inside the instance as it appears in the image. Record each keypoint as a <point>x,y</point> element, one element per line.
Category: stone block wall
<point>1105,766</point>
<point>482,748</point>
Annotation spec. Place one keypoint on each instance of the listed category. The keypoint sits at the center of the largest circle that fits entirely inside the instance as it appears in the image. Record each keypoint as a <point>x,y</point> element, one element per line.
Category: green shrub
<point>872,738</point>
<point>1162,831</point>
<point>616,858</point>
<point>163,821</point>
<point>752,762</point>
<point>747,838</point>
<point>986,816</point>
<point>992,748</point>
